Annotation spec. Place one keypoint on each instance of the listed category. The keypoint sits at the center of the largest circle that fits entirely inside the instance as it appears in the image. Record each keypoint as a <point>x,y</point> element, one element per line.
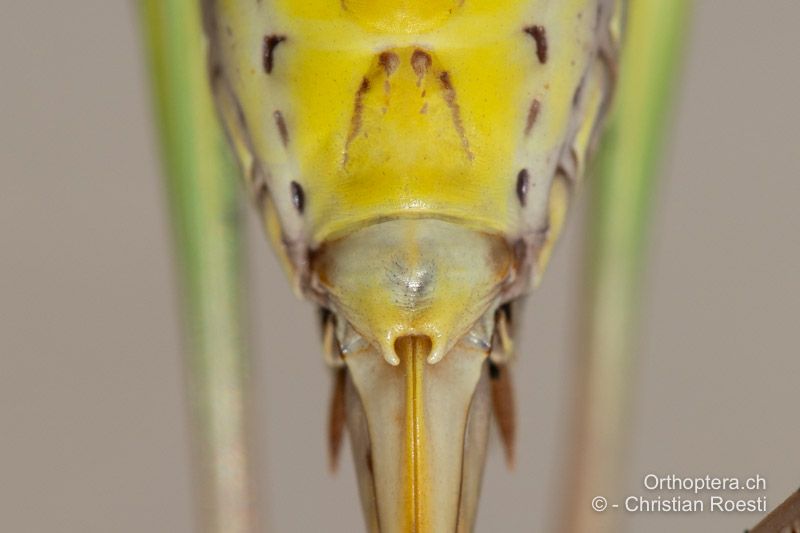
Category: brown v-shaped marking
<point>452,102</point>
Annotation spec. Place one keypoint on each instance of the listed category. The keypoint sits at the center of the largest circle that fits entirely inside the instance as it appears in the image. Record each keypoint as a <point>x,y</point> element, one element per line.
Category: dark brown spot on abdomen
<point>420,62</point>
<point>539,35</point>
<point>533,113</point>
<point>523,184</point>
<point>389,61</point>
<point>282,129</point>
<point>270,42</point>
<point>298,196</point>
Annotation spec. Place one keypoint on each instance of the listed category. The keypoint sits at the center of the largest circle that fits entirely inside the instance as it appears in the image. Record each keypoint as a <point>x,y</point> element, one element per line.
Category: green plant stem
<point>202,189</point>
<point>617,244</point>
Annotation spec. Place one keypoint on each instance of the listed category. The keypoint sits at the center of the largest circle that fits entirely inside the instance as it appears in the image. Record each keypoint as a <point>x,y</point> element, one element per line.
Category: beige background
<point>92,430</point>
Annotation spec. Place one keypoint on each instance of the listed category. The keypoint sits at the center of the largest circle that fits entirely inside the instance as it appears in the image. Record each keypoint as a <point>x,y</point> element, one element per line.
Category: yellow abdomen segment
<point>397,124</point>
<point>401,16</point>
<point>357,111</point>
<point>409,142</point>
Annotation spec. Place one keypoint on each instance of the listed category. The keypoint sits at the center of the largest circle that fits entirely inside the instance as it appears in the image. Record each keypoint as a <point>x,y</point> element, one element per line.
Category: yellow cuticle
<point>557,206</point>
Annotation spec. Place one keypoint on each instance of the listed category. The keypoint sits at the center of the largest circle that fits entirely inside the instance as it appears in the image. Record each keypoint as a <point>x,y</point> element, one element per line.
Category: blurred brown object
<point>783,519</point>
